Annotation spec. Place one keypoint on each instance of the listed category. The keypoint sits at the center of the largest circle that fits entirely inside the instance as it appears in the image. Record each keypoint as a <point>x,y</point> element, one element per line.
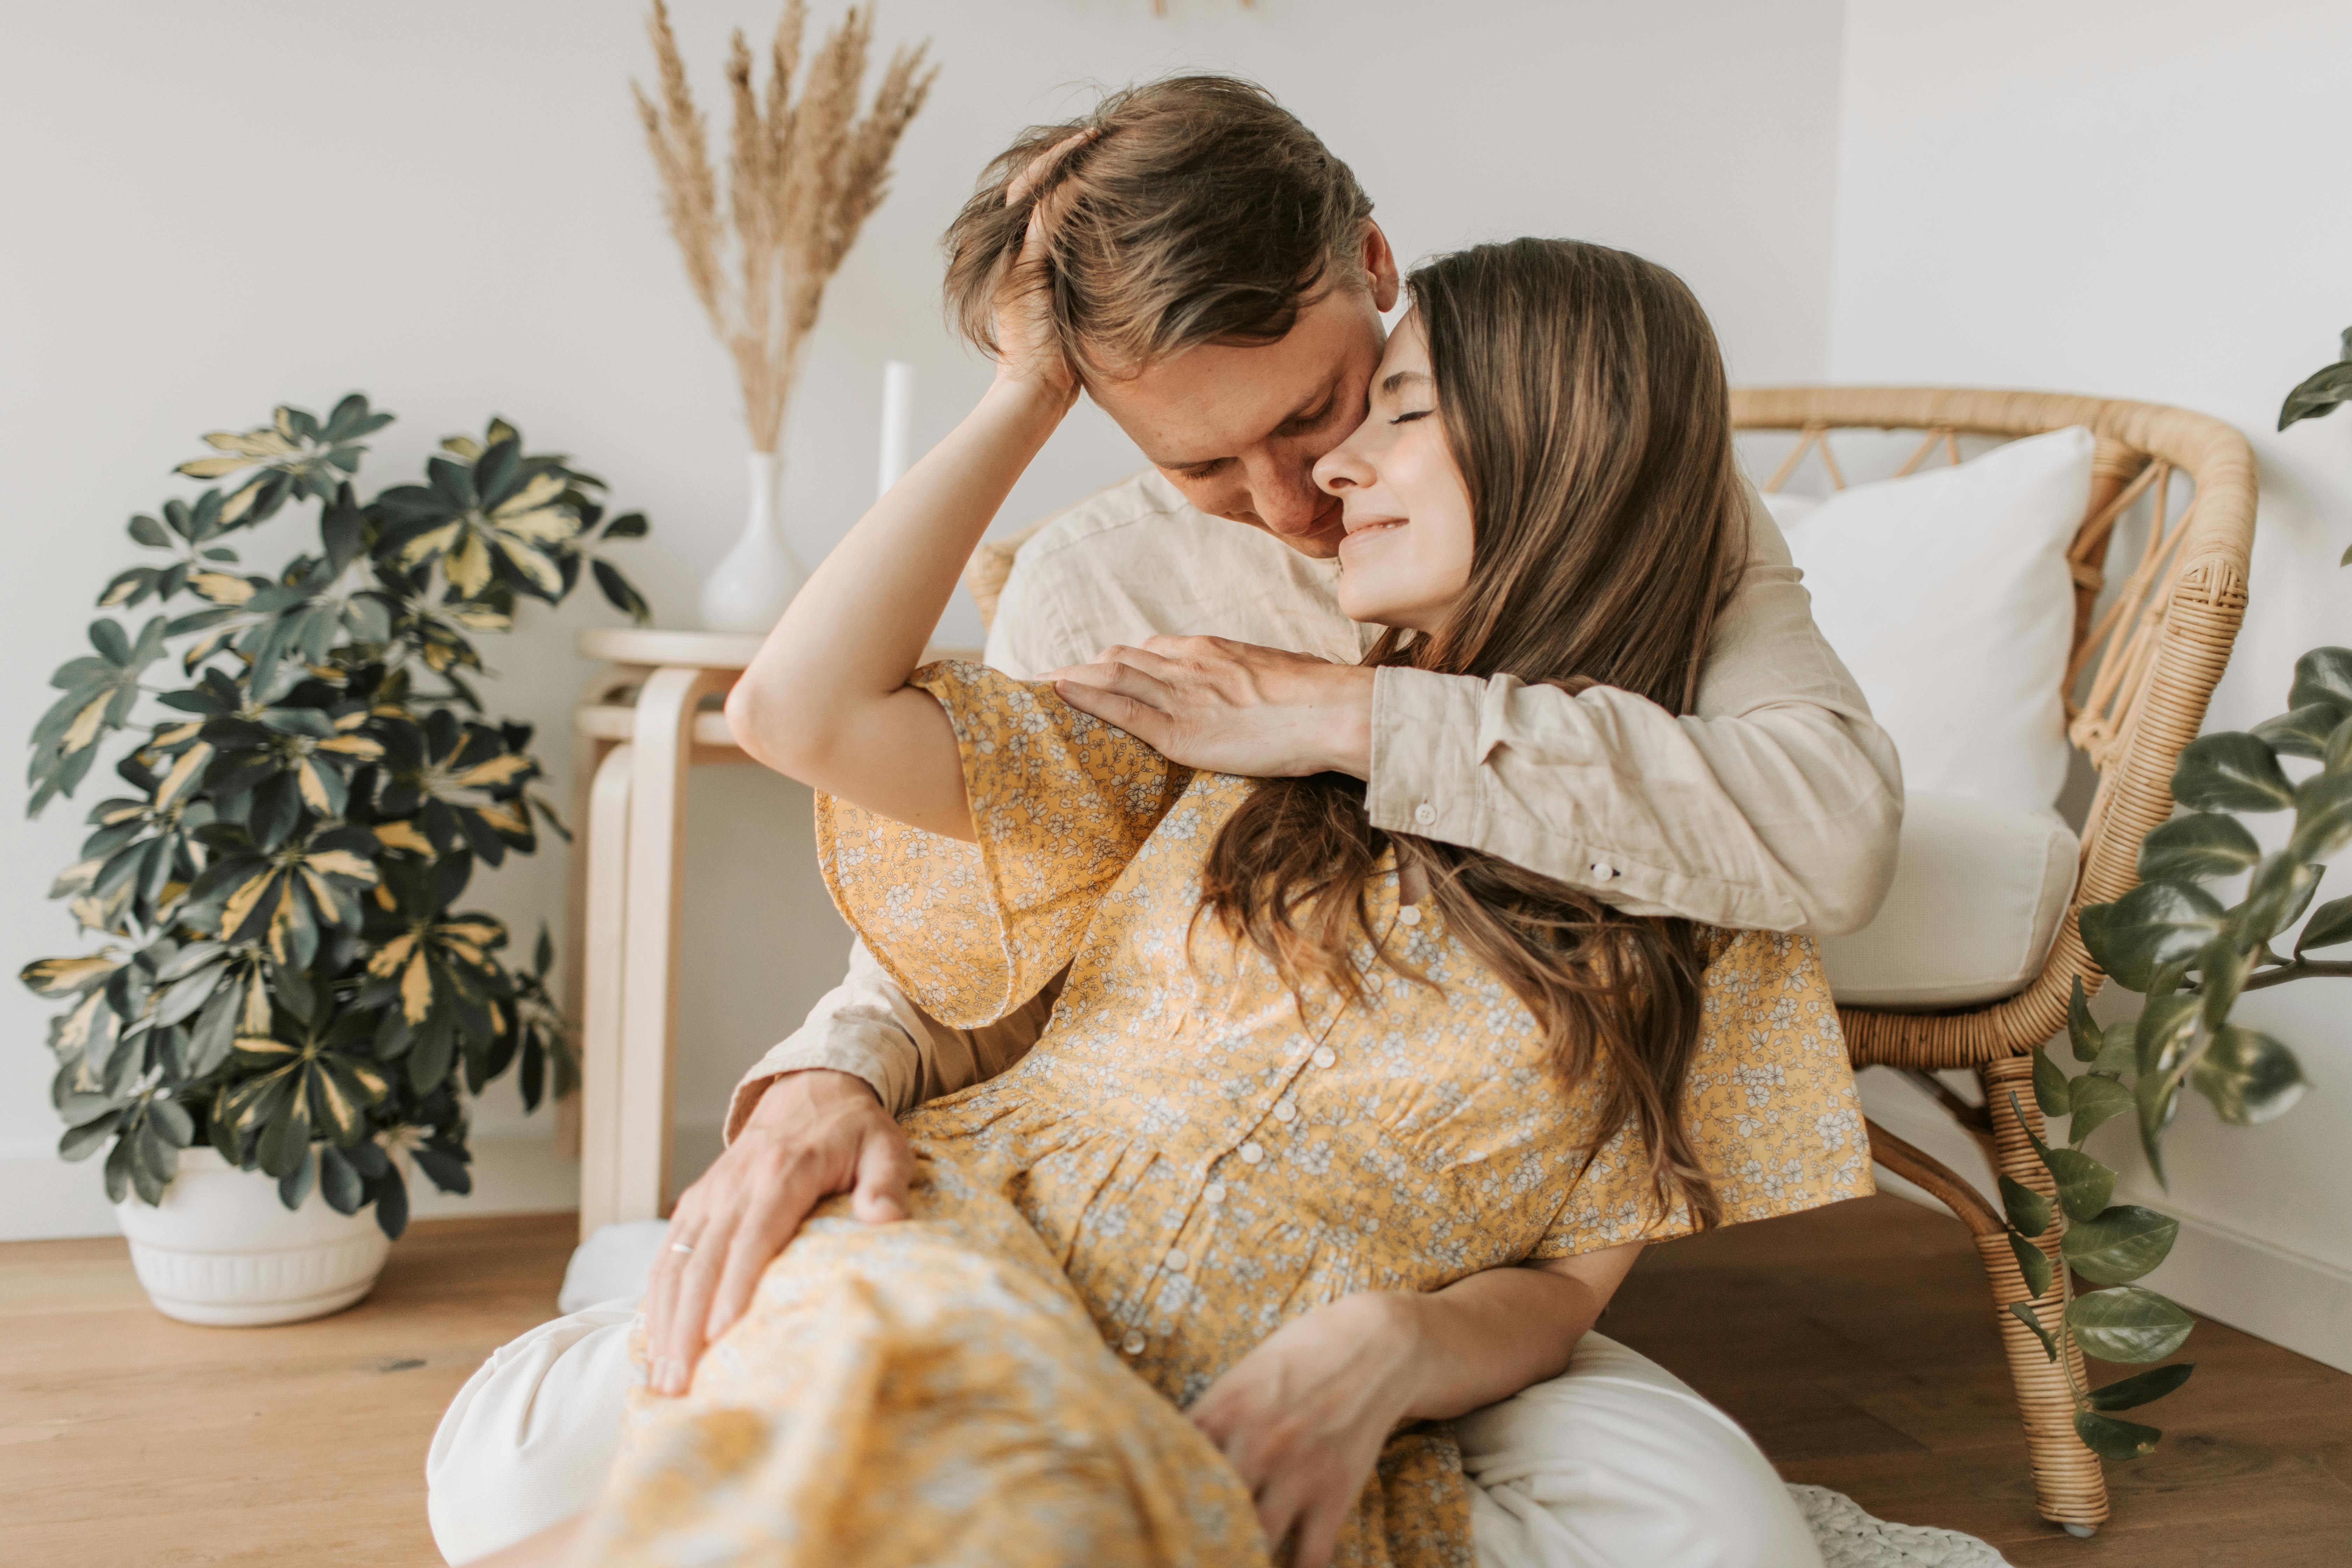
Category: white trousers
<point>1616,1463</point>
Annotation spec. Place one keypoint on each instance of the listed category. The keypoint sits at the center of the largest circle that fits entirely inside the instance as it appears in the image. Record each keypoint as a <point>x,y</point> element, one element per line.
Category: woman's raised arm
<point>826,701</point>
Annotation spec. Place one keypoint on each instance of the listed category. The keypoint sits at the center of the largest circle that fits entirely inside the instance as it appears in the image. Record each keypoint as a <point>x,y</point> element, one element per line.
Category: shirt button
<point>1604,869</point>
<point>1214,1194</point>
<point>1285,1111</point>
<point>1409,916</point>
<point>1178,1260</point>
<point>1424,814</point>
<point>1252,1154</point>
<point>1323,1057</point>
<point>1133,1343</point>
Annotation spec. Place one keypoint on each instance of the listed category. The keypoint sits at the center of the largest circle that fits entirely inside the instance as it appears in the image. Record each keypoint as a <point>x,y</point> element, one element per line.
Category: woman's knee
<point>1617,1462</point>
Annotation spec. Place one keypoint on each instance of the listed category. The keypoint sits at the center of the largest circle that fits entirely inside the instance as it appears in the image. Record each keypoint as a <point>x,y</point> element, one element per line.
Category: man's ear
<point>1381,268</point>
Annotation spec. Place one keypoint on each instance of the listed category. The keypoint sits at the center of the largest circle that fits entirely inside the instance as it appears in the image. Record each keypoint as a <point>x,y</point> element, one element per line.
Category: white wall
<point>2143,198</point>
<point>211,209</point>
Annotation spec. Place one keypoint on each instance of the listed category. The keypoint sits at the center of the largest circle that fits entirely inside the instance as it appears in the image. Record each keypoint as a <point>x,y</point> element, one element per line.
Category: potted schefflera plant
<point>289,1008</point>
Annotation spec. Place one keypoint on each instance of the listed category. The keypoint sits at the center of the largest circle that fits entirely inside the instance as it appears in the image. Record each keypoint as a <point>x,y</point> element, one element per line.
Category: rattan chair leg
<point>2069,1488</point>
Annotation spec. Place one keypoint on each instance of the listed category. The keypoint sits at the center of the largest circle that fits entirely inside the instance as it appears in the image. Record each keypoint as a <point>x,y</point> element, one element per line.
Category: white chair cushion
<point>1948,595</point>
<point>1979,892</point>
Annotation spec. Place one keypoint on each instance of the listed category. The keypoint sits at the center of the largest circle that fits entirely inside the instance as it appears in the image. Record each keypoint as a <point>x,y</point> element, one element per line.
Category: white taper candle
<point>897,410</point>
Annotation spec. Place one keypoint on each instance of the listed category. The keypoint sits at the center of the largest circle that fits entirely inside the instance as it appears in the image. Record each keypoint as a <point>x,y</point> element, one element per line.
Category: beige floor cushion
<point>1978,891</point>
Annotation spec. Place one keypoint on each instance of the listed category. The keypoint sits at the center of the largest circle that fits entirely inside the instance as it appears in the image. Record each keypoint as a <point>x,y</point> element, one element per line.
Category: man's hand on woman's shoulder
<point>814,1133</point>
<point>1231,707</point>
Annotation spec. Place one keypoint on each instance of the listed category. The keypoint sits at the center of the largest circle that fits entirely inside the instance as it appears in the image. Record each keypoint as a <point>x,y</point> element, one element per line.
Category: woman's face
<point>1405,557</point>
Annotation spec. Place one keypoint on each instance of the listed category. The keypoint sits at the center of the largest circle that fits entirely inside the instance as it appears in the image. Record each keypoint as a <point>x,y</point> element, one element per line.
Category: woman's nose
<point>1342,467</point>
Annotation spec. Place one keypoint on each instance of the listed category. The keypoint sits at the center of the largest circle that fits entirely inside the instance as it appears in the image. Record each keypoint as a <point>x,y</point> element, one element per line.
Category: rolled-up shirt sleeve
<point>1775,806</point>
<point>866,1026</point>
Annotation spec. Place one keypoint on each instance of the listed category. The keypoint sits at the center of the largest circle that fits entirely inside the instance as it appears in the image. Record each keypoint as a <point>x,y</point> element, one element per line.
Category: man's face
<point>1239,430</point>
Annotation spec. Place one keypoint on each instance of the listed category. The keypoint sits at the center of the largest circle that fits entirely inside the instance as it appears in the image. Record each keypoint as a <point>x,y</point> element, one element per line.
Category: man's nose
<point>1285,498</point>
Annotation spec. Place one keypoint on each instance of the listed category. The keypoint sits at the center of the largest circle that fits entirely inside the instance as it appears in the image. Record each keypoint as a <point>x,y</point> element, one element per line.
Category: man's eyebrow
<point>1321,405</point>
<point>1397,378</point>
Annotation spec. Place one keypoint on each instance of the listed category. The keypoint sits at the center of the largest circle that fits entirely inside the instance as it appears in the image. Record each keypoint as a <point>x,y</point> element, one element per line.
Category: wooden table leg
<point>600,958</point>
<point>662,746</point>
<point>571,958</point>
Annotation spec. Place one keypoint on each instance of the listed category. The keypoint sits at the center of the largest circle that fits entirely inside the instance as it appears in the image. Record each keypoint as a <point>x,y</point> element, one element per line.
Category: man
<point>1216,279</point>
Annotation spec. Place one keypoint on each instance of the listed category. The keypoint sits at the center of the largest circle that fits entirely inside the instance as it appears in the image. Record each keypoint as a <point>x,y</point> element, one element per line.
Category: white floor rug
<point>1850,1538</point>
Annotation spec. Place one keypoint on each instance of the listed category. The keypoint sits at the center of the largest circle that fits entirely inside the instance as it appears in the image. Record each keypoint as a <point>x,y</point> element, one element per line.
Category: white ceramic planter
<point>222,1250</point>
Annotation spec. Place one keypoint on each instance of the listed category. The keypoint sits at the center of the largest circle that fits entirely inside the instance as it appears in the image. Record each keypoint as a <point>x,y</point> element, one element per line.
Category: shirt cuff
<point>799,1054</point>
<point>1426,747</point>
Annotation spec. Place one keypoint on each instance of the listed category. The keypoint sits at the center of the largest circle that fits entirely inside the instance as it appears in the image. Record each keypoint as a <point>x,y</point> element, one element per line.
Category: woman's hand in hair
<point>1302,1417</point>
<point>1231,707</point>
<point>1028,350</point>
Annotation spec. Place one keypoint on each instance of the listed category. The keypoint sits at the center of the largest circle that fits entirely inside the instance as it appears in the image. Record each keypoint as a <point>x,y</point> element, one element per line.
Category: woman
<point>1303,1079</point>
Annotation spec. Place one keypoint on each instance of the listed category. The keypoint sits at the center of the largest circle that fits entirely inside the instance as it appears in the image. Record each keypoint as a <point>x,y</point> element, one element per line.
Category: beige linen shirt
<point>1774,806</point>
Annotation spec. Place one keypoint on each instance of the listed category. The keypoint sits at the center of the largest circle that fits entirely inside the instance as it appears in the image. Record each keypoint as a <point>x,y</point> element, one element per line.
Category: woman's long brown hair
<point>1583,395</point>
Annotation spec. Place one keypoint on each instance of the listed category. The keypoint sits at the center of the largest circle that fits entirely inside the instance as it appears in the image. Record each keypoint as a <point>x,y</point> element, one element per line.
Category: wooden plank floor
<point>1854,1342</point>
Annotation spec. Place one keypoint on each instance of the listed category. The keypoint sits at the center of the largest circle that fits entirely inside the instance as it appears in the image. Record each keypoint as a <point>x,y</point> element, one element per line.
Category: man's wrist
<point>794,1087</point>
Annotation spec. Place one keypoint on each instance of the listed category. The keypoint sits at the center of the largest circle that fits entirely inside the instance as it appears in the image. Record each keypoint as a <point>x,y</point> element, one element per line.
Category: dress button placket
<point>1214,1194</point>
<point>1324,1056</point>
<point>1251,1154</point>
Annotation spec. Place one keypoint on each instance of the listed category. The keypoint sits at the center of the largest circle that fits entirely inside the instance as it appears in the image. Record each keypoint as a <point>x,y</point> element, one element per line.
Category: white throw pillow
<point>1948,595</point>
<point>1978,895</point>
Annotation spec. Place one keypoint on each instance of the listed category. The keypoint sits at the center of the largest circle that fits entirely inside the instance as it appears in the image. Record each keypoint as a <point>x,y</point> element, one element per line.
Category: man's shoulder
<point>1136,513</point>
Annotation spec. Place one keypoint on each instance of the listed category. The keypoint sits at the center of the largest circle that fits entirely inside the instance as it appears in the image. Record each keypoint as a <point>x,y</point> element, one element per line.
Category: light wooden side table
<point>649,714</point>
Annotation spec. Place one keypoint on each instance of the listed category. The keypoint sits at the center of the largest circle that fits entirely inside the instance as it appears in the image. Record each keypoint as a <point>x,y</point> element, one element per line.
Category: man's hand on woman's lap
<point>1303,1417</point>
<point>1231,707</point>
<point>814,1133</point>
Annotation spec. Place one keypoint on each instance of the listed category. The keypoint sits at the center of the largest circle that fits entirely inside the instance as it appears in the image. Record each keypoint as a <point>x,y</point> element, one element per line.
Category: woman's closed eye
<point>1410,415</point>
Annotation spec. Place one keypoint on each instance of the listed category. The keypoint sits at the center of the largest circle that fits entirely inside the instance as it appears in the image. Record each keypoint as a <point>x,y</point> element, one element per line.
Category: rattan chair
<point>2142,668</point>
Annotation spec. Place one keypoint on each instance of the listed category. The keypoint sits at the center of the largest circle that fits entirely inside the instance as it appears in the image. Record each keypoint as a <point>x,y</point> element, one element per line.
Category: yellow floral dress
<point>1188,1159</point>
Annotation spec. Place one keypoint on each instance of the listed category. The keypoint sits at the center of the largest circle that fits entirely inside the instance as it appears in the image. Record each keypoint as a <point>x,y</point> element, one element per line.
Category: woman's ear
<point>1381,268</point>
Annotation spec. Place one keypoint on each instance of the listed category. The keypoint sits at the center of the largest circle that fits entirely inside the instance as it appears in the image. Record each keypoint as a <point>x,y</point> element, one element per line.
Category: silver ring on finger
<point>680,1246</point>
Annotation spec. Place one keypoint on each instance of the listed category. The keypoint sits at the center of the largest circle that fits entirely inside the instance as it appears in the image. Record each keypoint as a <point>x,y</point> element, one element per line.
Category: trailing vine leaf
<point>2083,1184</point>
<point>2191,849</point>
<point>2323,676</point>
<point>2033,1263</point>
<point>2298,732</point>
<point>2229,771</point>
<point>2141,1387</point>
<point>2112,1439</point>
<point>2155,924</point>
<point>2024,1314</point>
<point>2028,1210</point>
<point>2127,1323</point>
<point>2322,820</point>
<point>2081,1032</point>
<point>2249,1077</point>
<point>2049,1085</point>
<point>2092,1099</point>
<point>2119,1245</point>
<point>2330,925</point>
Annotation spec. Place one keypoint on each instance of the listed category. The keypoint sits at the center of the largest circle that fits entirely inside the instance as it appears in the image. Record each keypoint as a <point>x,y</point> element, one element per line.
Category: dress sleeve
<point>1060,801</point>
<point>1770,1103</point>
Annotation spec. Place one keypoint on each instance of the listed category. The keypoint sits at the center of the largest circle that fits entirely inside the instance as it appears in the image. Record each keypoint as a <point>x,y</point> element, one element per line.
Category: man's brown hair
<point>1198,211</point>
<point>1583,399</point>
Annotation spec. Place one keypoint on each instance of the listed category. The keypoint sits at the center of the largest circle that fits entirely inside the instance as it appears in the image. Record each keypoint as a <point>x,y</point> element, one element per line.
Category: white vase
<point>221,1249</point>
<point>748,590</point>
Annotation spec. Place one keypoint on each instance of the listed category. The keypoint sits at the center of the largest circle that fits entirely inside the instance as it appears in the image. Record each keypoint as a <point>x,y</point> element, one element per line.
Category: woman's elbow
<point>771,731</point>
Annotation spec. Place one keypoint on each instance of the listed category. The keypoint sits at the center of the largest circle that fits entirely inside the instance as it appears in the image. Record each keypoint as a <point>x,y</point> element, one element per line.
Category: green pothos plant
<point>284,971</point>
<point>2190,956</point>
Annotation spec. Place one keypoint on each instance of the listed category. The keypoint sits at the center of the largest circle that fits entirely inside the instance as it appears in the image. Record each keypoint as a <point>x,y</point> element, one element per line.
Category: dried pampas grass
<point>802,176</point>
